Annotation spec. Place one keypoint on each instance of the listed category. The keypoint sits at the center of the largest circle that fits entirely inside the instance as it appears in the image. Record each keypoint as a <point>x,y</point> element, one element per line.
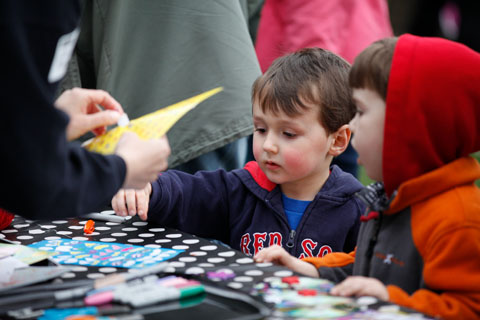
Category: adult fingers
<point>97,122</point>
<point>104,99</point>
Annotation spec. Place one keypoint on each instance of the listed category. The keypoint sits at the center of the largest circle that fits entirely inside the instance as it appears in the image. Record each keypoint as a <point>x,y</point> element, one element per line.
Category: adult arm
<point>43,176</point>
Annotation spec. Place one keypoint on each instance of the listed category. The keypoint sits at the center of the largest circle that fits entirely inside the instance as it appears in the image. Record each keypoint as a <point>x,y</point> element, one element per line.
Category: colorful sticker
<point>101,254</point>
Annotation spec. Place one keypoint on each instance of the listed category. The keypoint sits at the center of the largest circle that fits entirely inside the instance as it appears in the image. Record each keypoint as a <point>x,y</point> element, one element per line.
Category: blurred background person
<point>150,54</point>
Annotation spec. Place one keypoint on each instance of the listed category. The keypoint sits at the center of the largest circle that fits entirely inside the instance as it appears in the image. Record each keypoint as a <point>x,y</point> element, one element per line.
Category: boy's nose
<point>269,145</point>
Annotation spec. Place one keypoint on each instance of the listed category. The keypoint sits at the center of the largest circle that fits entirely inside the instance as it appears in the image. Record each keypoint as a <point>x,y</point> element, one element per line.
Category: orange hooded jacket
<point>426,246</point>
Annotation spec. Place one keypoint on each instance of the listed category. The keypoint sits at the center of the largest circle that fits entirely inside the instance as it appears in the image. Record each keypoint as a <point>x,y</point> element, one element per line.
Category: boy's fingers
<point>258,257</point>
<point>269,254</point>
<point>118,203</point>
<point>131,202</point>
<point>349,287</point>
<point>142,204</point>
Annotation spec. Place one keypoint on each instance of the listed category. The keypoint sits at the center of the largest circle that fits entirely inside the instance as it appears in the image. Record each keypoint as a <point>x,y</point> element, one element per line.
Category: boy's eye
<point>359,112</point>
<point>260,130</point>
<point>289,134</point>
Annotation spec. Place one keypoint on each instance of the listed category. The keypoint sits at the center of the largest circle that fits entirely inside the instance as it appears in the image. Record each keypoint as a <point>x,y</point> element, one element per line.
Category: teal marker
<point>191,291</point>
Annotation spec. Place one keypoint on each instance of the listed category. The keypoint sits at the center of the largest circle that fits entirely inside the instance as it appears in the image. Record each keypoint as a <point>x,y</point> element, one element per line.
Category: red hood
<point>433,107</point>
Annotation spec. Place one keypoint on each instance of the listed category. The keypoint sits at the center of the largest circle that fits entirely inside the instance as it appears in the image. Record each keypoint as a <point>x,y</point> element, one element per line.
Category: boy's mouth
<point>271,165</point>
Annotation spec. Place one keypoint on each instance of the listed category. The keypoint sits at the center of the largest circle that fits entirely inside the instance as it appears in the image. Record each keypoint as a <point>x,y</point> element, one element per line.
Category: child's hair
<point>311,76</point>
<point>371,68</point>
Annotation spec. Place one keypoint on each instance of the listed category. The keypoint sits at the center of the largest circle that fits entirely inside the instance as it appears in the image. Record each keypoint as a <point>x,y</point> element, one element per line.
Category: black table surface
<point>199,258</point>
<point>200,255</point>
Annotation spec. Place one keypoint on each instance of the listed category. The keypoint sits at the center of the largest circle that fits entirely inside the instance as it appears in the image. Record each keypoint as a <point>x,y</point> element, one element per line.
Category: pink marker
<point>98,299</point>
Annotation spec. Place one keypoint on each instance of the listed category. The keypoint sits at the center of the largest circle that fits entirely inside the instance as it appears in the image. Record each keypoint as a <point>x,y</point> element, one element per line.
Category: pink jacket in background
<point>344,27</point>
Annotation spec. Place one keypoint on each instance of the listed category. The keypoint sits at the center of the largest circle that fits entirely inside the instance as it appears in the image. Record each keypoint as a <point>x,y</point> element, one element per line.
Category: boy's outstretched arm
<point>335,266</point>
<point>129,202</point>
<point>278,255</point>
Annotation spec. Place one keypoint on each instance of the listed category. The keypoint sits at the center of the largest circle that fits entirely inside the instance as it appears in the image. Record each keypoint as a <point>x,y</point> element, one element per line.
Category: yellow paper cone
<point>150,126</point>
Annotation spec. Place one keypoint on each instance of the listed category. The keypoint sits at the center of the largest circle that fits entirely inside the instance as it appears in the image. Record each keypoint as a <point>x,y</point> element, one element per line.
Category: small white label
<point>62,55</point>
<point>123,121</point>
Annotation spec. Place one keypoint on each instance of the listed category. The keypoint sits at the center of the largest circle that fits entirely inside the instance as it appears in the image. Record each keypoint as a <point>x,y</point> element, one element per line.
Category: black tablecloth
<point>201,256</point>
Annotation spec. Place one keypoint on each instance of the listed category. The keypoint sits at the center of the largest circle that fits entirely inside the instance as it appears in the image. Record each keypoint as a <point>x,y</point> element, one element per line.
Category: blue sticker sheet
<point>101,254</point>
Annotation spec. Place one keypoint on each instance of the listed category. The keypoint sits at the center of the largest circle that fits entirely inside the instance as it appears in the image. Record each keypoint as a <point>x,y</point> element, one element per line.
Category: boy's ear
<point>340,141</point>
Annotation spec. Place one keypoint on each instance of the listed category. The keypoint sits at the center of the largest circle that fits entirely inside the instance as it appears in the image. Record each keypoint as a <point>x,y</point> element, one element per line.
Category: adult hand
<point>131,202</point>
<point>278,255</point>
<point>145,159</point>
<point>361,286</point>
<point>82,106</point>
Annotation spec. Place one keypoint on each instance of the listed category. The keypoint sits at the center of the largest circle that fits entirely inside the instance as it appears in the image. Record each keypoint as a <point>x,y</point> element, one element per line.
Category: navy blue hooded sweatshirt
<point>244,209</point>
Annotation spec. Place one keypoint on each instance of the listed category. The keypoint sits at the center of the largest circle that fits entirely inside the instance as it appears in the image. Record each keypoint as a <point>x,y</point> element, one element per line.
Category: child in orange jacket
<point>417,121</point>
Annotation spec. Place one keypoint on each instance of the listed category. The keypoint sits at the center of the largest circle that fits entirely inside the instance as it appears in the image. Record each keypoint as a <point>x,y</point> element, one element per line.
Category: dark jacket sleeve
<point>335,274</point>
<point>335,266</point>
<point>43,175</point>
<point>197,204</point>
<point>351,240</point>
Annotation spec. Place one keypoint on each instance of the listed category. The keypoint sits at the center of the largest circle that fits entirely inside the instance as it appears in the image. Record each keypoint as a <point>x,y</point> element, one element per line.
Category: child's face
<point>291,150</point>
<point>367,128</point>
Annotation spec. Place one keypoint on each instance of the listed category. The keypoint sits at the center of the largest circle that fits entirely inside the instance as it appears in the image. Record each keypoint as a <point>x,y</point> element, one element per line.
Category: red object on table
<point>89,227</point>
<point>307,292</point>
<point>291,280</point>
<point>5,218</point>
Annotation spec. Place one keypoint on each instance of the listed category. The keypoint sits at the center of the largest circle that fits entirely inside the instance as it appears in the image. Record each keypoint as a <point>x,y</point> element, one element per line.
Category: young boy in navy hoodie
<point>417,121</point>
<point>289,196</point>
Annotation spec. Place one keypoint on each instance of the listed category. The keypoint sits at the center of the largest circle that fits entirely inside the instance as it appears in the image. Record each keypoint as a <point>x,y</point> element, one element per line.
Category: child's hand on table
<point>278,255</point>
<point>132,201</point>
<point>361,286</point>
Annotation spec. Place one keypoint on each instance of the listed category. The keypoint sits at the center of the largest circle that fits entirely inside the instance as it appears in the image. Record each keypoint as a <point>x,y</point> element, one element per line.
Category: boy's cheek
<point>295,160</point>
<point>257,150</point>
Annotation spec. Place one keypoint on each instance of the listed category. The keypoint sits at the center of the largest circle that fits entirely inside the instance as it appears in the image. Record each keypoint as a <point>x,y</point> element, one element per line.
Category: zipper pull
<point>290,242</point>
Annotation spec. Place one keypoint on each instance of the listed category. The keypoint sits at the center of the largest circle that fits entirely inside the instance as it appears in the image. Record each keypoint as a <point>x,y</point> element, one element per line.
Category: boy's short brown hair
<point>311,76</point>
<point>371,68</point>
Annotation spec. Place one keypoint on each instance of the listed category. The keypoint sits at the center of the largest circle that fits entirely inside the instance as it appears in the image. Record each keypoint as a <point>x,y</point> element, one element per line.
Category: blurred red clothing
<point>5,218</point>
<point>344,27</point>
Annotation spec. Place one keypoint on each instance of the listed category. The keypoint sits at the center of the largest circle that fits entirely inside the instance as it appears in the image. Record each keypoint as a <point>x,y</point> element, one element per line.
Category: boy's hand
<point>361,286</point>
<point>131,202</point>
<point>278,255</point>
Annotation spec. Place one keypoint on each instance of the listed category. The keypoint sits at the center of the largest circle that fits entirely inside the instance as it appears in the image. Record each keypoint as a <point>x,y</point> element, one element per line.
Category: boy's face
<point>291,151</point>
<point>367,128</point>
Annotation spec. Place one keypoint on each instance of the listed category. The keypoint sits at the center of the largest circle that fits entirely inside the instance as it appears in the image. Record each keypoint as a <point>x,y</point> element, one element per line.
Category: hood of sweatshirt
<point>432,108</point>
<point>339,186</point>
